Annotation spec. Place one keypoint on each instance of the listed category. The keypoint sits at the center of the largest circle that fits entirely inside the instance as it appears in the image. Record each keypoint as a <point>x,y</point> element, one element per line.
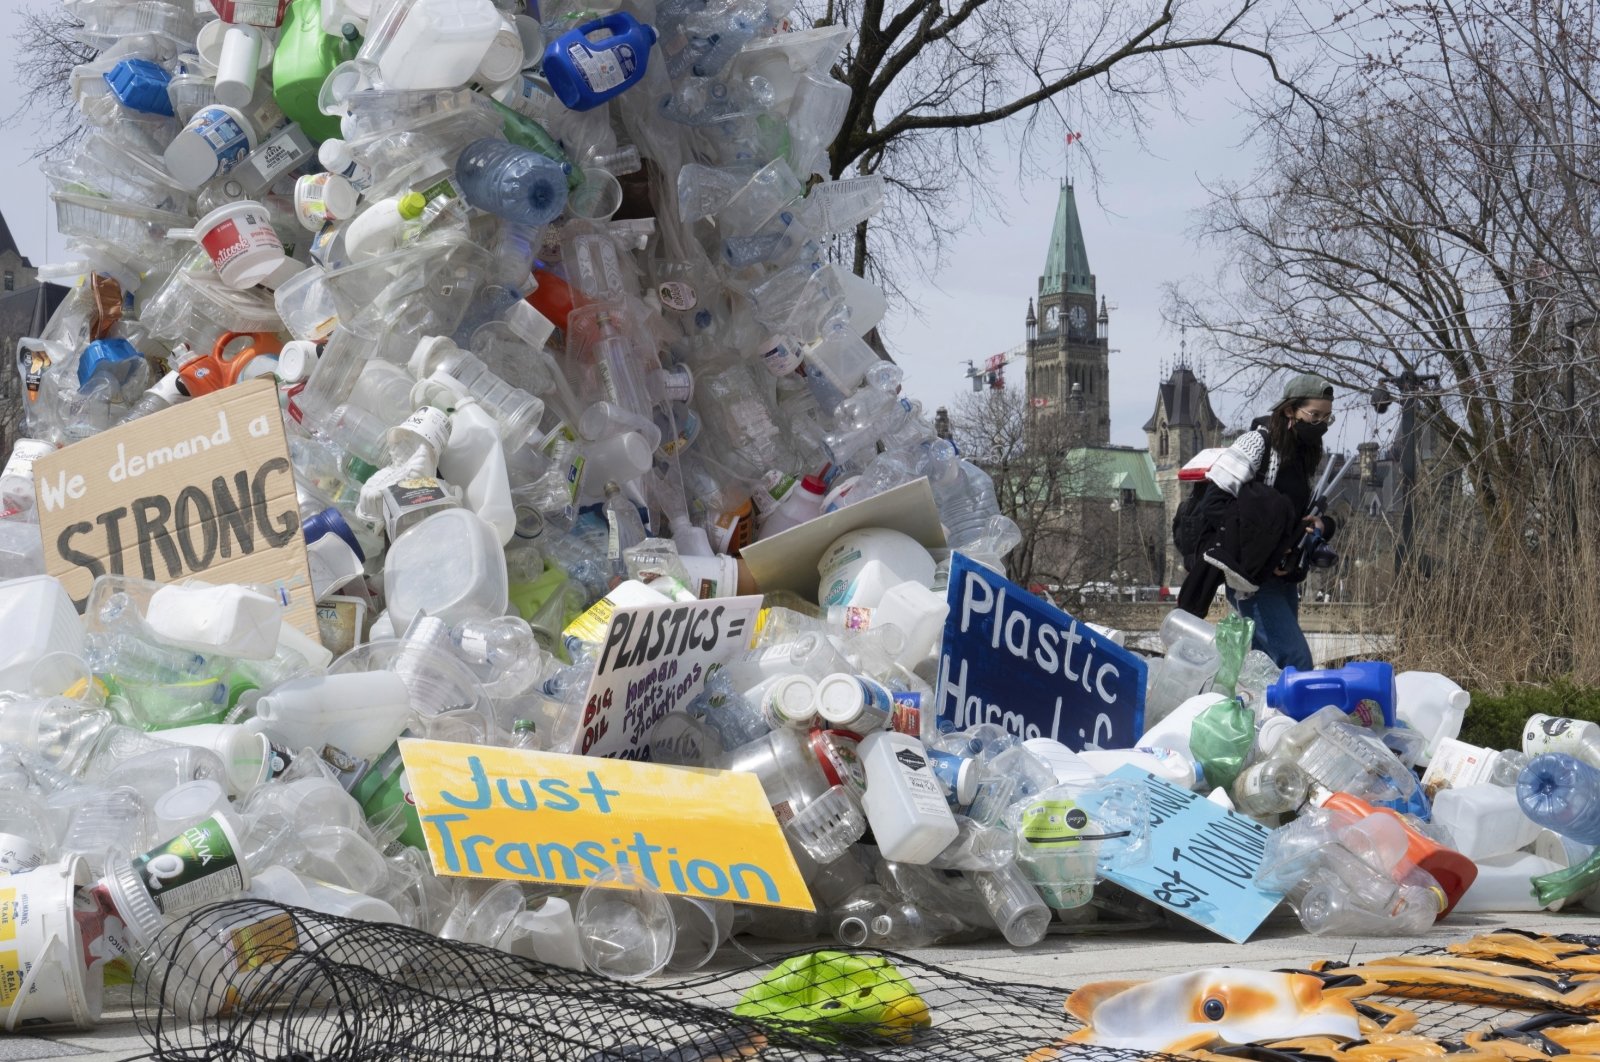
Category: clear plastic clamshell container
<point>139,229</point>
<point>193,306</point>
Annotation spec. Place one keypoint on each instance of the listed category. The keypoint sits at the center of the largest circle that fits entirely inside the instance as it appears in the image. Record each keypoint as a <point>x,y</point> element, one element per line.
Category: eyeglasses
<point>1311,417</point>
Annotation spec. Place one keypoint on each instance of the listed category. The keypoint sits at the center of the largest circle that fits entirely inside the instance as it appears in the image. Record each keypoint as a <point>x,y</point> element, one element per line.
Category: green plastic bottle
<point>305,58</point>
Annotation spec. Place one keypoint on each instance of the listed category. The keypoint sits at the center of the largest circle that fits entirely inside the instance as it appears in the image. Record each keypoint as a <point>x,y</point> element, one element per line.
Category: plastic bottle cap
<point>839,698</point>
<point>296,360</point>
<point>814,485</point>
<point>411,205</point>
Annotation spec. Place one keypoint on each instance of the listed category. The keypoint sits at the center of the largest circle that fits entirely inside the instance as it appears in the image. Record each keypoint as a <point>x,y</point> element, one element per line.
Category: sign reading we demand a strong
<point>204,490</point>
<point>1014,660</point>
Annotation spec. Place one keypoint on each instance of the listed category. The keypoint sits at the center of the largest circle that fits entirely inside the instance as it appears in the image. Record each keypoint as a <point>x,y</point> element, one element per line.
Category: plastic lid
<point>840,698</point>
<point>133,901</point>
<point>411,205</point>
<point>189,803</point>
<point>296,360</point>
<point>503,60</point>
<point>331,521</point>
<point>791,696</point>
<point>814,485</point>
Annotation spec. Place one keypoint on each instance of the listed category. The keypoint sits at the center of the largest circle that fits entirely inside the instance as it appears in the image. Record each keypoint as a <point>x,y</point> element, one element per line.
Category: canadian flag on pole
<point>1073,138</point>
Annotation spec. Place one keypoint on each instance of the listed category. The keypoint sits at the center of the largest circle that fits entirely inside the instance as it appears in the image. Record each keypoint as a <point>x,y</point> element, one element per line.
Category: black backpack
<point>1199,513</point>
<point>1189,522</point>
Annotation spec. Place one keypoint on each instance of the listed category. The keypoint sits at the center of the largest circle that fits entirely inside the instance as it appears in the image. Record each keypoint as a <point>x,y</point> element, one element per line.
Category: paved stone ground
<point>1065,961</point>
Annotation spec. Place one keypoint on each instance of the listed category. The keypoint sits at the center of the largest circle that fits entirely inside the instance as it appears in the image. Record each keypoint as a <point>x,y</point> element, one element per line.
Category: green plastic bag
<point>1233,642</point>
<point>1565,884</point>
<point>1221,739</point>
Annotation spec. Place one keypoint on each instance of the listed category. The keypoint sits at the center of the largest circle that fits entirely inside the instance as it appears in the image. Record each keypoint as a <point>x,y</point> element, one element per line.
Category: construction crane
<point>993,373</point>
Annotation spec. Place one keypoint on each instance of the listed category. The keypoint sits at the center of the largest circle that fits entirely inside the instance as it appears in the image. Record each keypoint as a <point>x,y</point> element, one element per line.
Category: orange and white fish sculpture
<point>1206,1008</point>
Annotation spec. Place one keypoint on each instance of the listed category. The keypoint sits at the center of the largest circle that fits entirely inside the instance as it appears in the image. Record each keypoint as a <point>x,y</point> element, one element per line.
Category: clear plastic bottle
<point>1562,793</point>
<point>624,530</point>
<point>516,411</point>
<point>513,182</point>
<point>502,651</point>
<point>1272,786</point>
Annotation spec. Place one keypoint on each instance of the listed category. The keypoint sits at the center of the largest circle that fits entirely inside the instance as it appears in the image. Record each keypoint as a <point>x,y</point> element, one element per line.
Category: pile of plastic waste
<point>553,304</point>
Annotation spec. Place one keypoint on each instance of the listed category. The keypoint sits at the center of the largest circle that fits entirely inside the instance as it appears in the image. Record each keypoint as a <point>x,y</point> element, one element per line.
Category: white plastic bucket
<point>44,978</point>
<point>213,142</point>
<point>241,243</point>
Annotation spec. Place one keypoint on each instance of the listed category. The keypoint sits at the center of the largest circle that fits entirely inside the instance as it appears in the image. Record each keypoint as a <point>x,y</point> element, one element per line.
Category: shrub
<point>1495,720</point>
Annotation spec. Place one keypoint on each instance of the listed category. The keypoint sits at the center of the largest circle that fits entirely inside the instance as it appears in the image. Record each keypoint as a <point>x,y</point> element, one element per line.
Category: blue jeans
<point>1275,610</point>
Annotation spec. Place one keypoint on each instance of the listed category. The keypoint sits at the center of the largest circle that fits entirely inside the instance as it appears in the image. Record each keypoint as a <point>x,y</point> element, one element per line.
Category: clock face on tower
<point>1052,317</point>
<point>1078,317</point>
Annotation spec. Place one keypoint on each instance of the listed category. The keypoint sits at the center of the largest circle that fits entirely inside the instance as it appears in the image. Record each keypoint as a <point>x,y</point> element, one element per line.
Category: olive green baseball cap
<point>1307,385</point>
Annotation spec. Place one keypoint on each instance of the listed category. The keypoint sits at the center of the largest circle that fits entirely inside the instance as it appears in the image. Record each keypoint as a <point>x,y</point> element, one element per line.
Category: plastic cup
<point>626,928</point>
<point>828,826</point>
<point>62,674</point>
<point>1014,904</point>
<point>701,927</point>
<point>241,243</point>
<point>597,198</point>
<point>186,805</point>
<point>546,934</point>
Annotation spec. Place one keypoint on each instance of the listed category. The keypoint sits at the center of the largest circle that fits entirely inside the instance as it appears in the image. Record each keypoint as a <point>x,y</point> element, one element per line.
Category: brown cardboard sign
<point>788,560</point>
<point>204,490</point>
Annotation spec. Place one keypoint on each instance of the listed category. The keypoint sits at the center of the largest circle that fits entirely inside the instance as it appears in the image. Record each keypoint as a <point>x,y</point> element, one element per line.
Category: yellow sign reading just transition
<point>542,816</point>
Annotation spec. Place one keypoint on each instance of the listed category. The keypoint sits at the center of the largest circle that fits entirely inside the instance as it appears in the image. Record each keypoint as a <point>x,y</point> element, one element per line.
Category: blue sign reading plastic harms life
<point>1013,659</point>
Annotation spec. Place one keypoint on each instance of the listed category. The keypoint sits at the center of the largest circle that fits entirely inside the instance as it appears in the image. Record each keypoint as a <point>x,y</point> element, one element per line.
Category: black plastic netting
<point>257,981</point>
<point>254,981</point>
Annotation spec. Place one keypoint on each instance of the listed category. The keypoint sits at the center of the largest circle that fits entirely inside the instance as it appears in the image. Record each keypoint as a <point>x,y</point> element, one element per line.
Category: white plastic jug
<point>1505,883</point>
<point>1432,705</point>
<point>474,461</point>
<point>450,566</point>
<point>904,801</point>
<point>38,618</point>
<point>232,620</point>
<point>362,712</point>
<point>1485,820</point>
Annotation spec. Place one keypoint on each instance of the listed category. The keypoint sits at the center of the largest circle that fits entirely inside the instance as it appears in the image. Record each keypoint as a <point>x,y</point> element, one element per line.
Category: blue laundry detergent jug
<point>1298,694</point>
<point>585,69</point>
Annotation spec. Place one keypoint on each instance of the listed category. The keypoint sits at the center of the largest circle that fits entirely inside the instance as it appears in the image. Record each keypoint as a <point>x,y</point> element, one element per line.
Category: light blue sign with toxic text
<point>1202,860</point>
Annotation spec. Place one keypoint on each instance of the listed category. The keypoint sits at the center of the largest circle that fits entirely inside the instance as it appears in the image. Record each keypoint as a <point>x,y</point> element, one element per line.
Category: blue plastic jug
<point>1298,694</point>
<point>584,70</point>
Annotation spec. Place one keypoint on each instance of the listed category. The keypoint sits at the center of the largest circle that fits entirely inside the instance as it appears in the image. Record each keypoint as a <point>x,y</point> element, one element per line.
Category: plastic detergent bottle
<point>589,65</point>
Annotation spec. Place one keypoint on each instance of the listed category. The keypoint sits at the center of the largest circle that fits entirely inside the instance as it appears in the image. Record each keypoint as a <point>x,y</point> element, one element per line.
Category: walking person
<point>1257,515</point>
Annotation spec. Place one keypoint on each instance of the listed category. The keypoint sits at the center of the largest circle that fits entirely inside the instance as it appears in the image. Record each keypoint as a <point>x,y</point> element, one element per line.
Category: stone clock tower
<point>1068,378</point>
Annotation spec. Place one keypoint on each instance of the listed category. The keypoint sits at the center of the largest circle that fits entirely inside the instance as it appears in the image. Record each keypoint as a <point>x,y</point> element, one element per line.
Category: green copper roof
<point>1105,471</point>
<point>1066,267</point>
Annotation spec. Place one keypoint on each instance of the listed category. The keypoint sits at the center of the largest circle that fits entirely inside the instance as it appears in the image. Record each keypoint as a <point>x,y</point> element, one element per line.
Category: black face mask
<point>1308,433</point>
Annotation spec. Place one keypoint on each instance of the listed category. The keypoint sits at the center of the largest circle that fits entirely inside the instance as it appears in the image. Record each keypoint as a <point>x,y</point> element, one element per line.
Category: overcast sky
<point>1136,224</point>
